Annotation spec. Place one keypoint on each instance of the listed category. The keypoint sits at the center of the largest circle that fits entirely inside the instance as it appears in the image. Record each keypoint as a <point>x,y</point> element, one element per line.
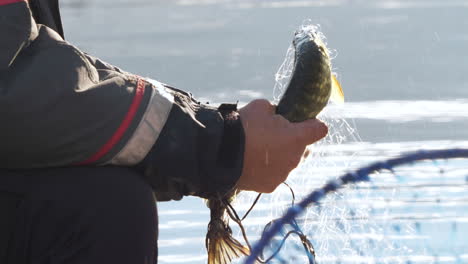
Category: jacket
<point>60,106</point>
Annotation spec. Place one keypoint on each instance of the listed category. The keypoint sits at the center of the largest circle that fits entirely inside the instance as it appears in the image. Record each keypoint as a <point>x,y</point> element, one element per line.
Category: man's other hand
<point>273,146</point>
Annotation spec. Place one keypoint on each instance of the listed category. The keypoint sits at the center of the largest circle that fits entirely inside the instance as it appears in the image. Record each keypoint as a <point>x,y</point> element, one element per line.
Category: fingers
<point>311,130</point>
<point>274,146</point>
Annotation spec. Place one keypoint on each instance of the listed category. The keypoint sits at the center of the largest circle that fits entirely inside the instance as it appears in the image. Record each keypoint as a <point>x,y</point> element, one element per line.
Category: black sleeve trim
<point>233,134</point>
<point>199,152</point>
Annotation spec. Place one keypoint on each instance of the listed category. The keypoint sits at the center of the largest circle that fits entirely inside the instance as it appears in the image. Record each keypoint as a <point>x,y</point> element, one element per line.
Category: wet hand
<point>274,146</point>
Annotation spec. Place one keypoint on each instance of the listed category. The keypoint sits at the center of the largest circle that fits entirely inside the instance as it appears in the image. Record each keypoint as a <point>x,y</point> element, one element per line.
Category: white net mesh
<point>283,74</point>
<point>392,219</point>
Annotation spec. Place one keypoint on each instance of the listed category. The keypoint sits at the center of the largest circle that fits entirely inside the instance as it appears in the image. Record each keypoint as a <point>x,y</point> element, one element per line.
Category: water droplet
<point>417,226</point>
<point>371,242</point>
<point>454,227</point>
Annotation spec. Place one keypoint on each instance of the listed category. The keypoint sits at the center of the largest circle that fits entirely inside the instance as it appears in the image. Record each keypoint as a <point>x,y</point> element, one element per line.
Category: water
<point>403,66</point>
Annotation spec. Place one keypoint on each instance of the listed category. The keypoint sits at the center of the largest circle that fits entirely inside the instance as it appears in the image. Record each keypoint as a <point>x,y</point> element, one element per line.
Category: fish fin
<point>337,95</point>
<point>222,247</point>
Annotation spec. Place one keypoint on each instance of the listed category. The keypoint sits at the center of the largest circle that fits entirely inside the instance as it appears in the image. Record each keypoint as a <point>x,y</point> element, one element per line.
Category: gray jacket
<point>62,107</point>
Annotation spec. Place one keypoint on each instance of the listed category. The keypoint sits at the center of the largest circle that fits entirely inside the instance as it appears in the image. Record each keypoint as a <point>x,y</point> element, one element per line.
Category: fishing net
<point>412,211</point>
<point>285,71</point>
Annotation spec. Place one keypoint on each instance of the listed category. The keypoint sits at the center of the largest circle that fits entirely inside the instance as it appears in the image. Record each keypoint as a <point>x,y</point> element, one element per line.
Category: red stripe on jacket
<point>7,2</point>
<point>140,90</point>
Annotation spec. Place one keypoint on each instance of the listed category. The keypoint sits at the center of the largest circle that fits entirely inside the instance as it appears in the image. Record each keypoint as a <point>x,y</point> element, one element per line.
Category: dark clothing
<point>77,216</point>
<point>62,107</point>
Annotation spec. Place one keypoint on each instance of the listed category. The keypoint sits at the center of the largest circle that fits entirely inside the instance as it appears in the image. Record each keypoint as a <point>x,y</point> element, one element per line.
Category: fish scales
<point>308,91</point>
<point>310,85</point>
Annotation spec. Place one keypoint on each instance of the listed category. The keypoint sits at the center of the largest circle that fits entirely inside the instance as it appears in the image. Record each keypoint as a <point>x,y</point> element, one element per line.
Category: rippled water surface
<point>404,69</point>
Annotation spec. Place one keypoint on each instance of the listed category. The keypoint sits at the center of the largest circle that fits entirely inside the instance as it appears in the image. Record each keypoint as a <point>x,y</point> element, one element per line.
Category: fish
<point>311,86</point>
<point>312,83</point>
<point>221,246</point>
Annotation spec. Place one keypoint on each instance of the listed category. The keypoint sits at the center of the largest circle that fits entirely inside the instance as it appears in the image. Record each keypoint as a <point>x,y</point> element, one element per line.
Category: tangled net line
<point>359,175</point>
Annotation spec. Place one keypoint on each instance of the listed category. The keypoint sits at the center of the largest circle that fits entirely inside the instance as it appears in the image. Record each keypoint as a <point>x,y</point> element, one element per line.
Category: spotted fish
<point>312,82</point>
<point>310,87</point>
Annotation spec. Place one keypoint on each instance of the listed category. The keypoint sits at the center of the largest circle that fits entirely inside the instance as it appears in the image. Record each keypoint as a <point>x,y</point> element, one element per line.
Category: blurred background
<point>397,54</point>
<point>403,65</point>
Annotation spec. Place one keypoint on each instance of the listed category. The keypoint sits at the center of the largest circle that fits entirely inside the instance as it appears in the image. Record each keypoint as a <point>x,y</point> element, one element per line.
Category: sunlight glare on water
<point>376,222</point>
<point>403,70</point>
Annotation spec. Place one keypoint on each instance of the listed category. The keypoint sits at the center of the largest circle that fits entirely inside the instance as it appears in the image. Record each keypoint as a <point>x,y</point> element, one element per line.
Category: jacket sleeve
<point>62,107</point>
<point>199,151</point>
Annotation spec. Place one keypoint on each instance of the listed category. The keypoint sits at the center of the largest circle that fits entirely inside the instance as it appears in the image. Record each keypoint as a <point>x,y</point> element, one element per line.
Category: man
<point>85,147</point>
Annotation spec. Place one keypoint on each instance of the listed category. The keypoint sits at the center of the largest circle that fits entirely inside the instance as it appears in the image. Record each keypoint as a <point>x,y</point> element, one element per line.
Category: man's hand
<point>273,145</point>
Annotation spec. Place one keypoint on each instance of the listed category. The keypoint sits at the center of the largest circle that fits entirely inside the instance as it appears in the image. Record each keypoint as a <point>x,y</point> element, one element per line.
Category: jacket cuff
<point>199,151</point>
